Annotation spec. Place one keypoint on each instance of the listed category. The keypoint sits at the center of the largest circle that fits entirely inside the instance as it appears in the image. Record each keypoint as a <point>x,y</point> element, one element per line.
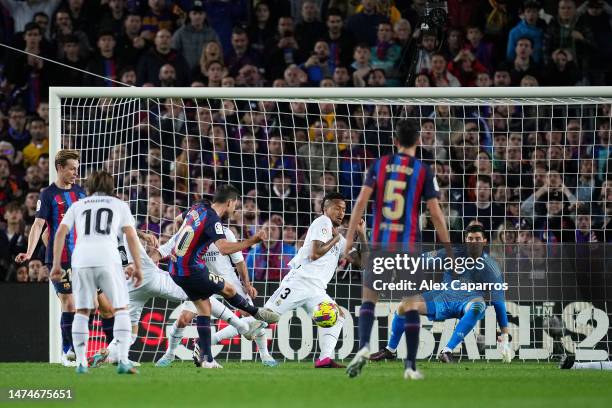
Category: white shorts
<point>294,293</point>
<point>160,285</point>
<point>87,280</point>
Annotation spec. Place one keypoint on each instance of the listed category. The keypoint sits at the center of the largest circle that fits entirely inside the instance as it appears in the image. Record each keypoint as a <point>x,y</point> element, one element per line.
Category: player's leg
<point>112,281</point>
<point>228,291</point>
<point>84,293</point>
<point>203,324</point>
<point>107,316</point>
<point>328,336</point>
<point>63,289</point>
<point>412,308</point>
<point>397,331</point>
<point>176,333</point>
<point>367,317</point>
<point>471,312</point>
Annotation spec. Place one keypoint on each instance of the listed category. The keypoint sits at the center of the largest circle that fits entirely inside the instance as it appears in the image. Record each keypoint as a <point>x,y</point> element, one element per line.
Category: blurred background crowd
<point>529,174</point>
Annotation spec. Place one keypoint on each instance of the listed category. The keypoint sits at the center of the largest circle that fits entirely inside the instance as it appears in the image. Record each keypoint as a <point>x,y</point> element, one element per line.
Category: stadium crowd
<point>528,175</point>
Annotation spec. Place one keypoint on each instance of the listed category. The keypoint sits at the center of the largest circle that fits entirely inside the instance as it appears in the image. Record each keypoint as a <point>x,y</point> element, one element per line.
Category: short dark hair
<point>525,38</point>
<point>333,11</point>
<point>225,193</point>
<point>32,26</point>
<point>407,132</point>
<point>475,227</point>
<point>100,182</point>
<point>329,197</point>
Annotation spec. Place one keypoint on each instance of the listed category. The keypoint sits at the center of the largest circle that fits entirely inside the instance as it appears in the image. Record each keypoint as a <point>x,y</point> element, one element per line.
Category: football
<point>325,314</point>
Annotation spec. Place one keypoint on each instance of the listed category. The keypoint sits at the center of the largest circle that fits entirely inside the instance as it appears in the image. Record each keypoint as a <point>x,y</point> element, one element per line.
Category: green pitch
<point>295,385</point>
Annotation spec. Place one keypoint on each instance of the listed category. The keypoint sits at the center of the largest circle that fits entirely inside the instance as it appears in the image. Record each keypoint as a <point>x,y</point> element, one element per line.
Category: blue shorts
<point>64,286</point>
<point>201,285</point>
<point>447,304</point>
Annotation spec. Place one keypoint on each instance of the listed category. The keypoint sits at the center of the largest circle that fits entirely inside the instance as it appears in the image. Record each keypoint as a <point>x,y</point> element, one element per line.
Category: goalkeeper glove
<point>505,348</point>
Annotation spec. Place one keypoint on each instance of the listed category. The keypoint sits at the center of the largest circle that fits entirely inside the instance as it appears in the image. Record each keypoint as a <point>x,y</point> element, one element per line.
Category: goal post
<point>168,147</point>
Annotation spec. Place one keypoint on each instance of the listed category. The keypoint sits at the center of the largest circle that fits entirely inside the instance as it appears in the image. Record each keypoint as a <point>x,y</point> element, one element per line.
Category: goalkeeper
<point>468,306</point>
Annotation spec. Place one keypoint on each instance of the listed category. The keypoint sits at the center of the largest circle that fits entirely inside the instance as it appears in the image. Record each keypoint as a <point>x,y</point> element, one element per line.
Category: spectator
<point>317,156</point>
<point>465,67</point>
<point>281,196</point>
<point>151,62</point>
<point>112,16</point>
<point>64,27</point>
<point>167,76</point>
<point>483,79</point>
<point>212,52</point>
<point>269,260</point>
<point>105,63</point>
<point>597,18</point>
<point>23,12</point>
<point>31,201</point>
<point>310,28</point>
<point>152,222</point>
<point>156,17</point>
<point>530,27</point>
<point>127,76</point>
<point>556,225</point>
<point>223,16</point>
<point>439,74</point>
<point>21,274</point>
<point>71,51</point>
<point>426,50</point>
<point>39,143</point>
<point>42,19</point>
<point>37,272</point>
<point>12,237</point>
<point>194,35</point>
<point>340,41</point>
<point>341,76</point>
<point>130,43</point>
<point>523,62</point>
<point>249,76</point>
<point>319,65</point>
<point>561,71</point>
<point>501,76</point>
<point>283,50</point>
<point>17,134</point>
<point>27,75</point>
<point>565,32</point>
<point>481,49</point>
<point>261,29</point>
<point>241,53</point>
<point>489,214</point>
<point>354,161</point>
<point>386,54</point>
<point>454,43</point>
<point>363,25</point>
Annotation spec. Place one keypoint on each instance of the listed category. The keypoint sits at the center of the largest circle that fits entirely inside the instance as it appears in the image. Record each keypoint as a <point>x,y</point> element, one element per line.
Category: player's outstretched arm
<point>243,272</point>
<point>58,247</point>
<point>355,256</point>
<point>356,214</point>
<point>132,242</point>
<point>226,247</point>
<point>33,238</point>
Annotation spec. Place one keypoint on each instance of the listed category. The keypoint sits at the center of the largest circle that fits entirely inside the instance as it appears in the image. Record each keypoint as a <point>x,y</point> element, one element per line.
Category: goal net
<point>532,165</point>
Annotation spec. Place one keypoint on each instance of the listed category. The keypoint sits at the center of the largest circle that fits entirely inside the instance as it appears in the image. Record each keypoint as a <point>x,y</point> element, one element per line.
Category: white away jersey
<point>149,268</point>
<point>321,271</point>
<point>215,262</point>
<point>99,221</point>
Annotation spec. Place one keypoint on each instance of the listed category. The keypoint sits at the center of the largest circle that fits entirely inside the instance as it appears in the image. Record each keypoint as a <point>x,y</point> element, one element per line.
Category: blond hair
<point>62,157</point>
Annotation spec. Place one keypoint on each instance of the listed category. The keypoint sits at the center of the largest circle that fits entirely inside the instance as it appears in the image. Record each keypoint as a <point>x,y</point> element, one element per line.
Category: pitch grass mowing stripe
<point>296,385</point>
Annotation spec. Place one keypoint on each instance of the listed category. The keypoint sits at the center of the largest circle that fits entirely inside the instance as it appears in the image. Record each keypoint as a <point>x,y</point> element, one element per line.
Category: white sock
<point>599,365</point>
<point>134,338</point>
<point>80,337</point>
<point>175,335</point>
<point>220,311</point>
<point>226,333</point>
<point>112,350</point>
<point>260,339</point>
<point>328,338</point>
<point>123,333</point>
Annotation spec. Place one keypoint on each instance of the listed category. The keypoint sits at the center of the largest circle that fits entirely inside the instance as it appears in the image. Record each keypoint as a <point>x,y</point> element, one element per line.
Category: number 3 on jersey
<point>394,199</point>
<point>184,240</point>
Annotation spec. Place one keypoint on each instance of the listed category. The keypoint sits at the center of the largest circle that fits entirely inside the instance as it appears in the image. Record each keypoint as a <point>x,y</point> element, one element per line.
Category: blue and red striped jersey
<point>53,204</point>
<point>201,227</point>
<point>400,184</point>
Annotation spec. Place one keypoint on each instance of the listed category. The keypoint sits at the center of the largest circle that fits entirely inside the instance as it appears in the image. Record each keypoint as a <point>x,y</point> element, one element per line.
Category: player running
<point>54,202</point>
<point>312,269</point>
<point>226,267</point>
<point>469,307</point>
<point>400,183</point>
<point>98,220</point>
<point>188,267</point>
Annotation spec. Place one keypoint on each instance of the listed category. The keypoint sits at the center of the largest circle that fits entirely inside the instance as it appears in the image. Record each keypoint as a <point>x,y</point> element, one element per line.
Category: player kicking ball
<point>188,266</point>
<point>468,307</point>
<point>225,266</point>
<point>311,270</point>
<point>99,220</point>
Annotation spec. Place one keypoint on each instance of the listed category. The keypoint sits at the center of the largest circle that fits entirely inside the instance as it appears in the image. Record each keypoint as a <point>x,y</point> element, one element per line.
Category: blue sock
<point>411,329</point>
<point>66,326</point>
<point>366,321</point>
<point>466,324</point>
<point>203,324</point>
<point>107,328</point>
<point>397,329</point>
<point>241,303</point>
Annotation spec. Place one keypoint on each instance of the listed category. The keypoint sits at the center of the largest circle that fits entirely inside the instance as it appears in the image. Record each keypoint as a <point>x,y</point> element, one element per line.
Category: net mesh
<point>525,168</point>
